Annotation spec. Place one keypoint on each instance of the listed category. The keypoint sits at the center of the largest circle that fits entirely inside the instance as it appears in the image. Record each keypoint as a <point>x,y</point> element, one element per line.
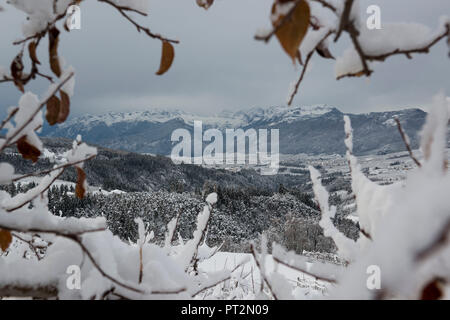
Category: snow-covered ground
<point>386,168</point>
<point>302,284</point>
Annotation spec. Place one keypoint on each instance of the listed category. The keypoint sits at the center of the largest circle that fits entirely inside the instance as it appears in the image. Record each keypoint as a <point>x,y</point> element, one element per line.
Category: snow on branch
<point>171,227</point>
<point>343,17</point>
<point>190,248</point>
<point>76,156</point>
<point>28,118</point>
<point>378,45</point>
<point>409,223</point>
<point>405,225</point>
<point>373,201</point>
<point>347,248</point>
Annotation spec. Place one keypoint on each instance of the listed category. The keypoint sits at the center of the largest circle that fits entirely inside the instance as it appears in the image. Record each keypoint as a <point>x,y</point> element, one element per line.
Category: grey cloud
<point>219,66</point>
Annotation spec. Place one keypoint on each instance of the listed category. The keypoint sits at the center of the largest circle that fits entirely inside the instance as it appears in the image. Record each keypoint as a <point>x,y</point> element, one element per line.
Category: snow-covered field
<point>387,168</point>
<point>248,278</point>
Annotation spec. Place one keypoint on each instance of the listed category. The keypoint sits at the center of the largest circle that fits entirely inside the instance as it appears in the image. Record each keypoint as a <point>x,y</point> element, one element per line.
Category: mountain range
<point>310,130</point>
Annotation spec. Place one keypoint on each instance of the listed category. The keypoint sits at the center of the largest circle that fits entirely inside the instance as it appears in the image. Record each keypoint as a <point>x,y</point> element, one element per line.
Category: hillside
<point>133,172</point>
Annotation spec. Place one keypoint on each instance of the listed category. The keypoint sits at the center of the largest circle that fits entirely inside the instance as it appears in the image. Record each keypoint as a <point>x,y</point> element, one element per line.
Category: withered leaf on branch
<point>17,71</point>
<point>167,56</point>
<point>292,27</point>
<point>27,150</point>
<point>32,52</point>
<point>205,3</point>
<point>79,188</point>
<point>65,25</point>
<point>53,109</point>
<point>64,107</point>
<point>53,40</point>
<point>5,239</point>
<point>433,290</point>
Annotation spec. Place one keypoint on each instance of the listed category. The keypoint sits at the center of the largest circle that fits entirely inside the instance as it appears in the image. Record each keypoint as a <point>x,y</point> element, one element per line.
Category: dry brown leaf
<point>64,107</point>
<point>66,23</point>
<point>53,107</point>
<point>5,239</point>
<point>167,56</point>
<point>205,3</point>
<point>79,188</point>
<point>53,40</point>
<point>17,72</point>
<point>291,29</point>
<point>433,290</point>
<point>32,52</point>
<point>27,150</point>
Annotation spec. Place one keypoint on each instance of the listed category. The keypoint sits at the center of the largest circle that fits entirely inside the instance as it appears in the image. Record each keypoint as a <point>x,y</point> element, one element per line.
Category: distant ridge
<point>310,130</point>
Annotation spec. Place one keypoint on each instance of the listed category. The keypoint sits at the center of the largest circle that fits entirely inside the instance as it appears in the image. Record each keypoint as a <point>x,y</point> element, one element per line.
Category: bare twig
<point>228,277</point>
<point>141,265</point>
<point>263,276</point>
<point>107,293</point>
<point>36,36</point>
<point>302,75</point>
<point>123,8</point>
<point>9,117</point>
<point>365,233</point>
<point>354,33</point>
<point>174,291</point>
<point>31,245</point>
<point>317,277</point>
<point>406,141</point>
<point>326,5</point>
<point>344,18</point>
<point>305,66</point>
<point>216,250</point>
<point>253,282</point>
<point>122,11</point>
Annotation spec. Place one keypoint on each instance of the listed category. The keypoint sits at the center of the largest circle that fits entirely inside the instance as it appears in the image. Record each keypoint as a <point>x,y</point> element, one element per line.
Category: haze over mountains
<point>310,130</point>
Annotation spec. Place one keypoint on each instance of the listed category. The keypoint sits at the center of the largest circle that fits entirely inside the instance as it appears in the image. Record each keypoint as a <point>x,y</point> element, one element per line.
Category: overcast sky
<point>219,66</point>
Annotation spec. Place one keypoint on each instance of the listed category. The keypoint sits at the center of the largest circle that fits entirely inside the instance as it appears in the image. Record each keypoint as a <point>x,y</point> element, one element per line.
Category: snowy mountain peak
<point>312,130</point>
<point>271,115</point>
<point>275,115</point>
<point>152,115</point>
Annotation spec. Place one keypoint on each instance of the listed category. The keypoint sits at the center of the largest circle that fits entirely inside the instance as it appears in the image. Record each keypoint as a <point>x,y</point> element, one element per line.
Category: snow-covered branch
<point>295,22</point>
